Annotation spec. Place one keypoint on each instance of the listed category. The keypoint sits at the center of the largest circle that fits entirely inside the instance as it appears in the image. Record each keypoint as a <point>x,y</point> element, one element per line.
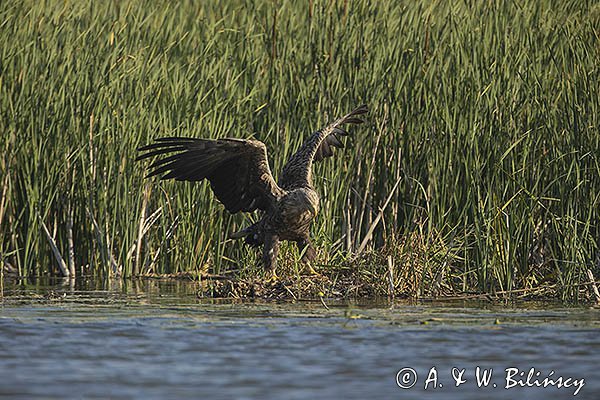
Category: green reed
<point>485,113</point>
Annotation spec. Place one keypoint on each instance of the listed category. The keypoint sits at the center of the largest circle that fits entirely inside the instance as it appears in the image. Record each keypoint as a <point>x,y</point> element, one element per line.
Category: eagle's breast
<point>297,209</point>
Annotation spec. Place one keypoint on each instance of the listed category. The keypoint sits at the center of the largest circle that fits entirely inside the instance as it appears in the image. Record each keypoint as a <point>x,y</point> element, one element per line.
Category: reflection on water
<point>154,339</point>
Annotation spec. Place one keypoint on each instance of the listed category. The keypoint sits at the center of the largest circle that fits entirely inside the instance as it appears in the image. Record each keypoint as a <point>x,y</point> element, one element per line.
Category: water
<point>159,341</point>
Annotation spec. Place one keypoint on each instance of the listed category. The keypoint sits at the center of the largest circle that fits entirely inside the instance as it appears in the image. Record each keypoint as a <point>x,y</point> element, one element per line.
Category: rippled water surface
<point>157,340</point>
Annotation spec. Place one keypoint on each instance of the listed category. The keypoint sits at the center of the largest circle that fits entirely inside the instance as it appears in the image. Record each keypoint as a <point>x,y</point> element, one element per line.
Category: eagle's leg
<point>309,253</point>
<point>270,251</point>
<point>304,245</point>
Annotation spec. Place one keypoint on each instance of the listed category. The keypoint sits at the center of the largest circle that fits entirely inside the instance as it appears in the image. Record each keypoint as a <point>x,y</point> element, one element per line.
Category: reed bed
<point>483,139</point>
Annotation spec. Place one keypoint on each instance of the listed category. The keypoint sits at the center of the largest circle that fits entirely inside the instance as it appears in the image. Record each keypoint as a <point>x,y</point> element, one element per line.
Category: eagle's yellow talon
<point>273,278</point>
<point>312,271</point>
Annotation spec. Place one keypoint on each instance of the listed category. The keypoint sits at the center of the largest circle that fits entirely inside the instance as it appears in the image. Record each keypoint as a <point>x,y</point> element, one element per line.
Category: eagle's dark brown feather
<point>240,177</point>
<point>237,169</point>
<point>298,170</point>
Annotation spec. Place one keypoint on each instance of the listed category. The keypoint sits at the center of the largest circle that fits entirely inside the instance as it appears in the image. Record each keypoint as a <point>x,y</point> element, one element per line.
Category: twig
<point>290,292</point>
<point>59,259</point>
<point>369,234</point>
<point>593,285</point>
<point>321,295</point>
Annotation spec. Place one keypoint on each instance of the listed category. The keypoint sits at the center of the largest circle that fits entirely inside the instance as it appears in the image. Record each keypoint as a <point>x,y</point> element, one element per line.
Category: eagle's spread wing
<point>297,171</point>
<point>238,169</point>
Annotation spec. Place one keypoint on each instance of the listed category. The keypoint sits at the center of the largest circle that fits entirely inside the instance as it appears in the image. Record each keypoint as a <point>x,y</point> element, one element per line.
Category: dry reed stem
<point>593,286</point>
<point>70,240</point>
<point>104,250</point>
<point>369,233</point>
<point>141,229</point>
<point>4,198</point>
<point>391,289</point>
<point>368,186</point>
<point>59,259</point>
